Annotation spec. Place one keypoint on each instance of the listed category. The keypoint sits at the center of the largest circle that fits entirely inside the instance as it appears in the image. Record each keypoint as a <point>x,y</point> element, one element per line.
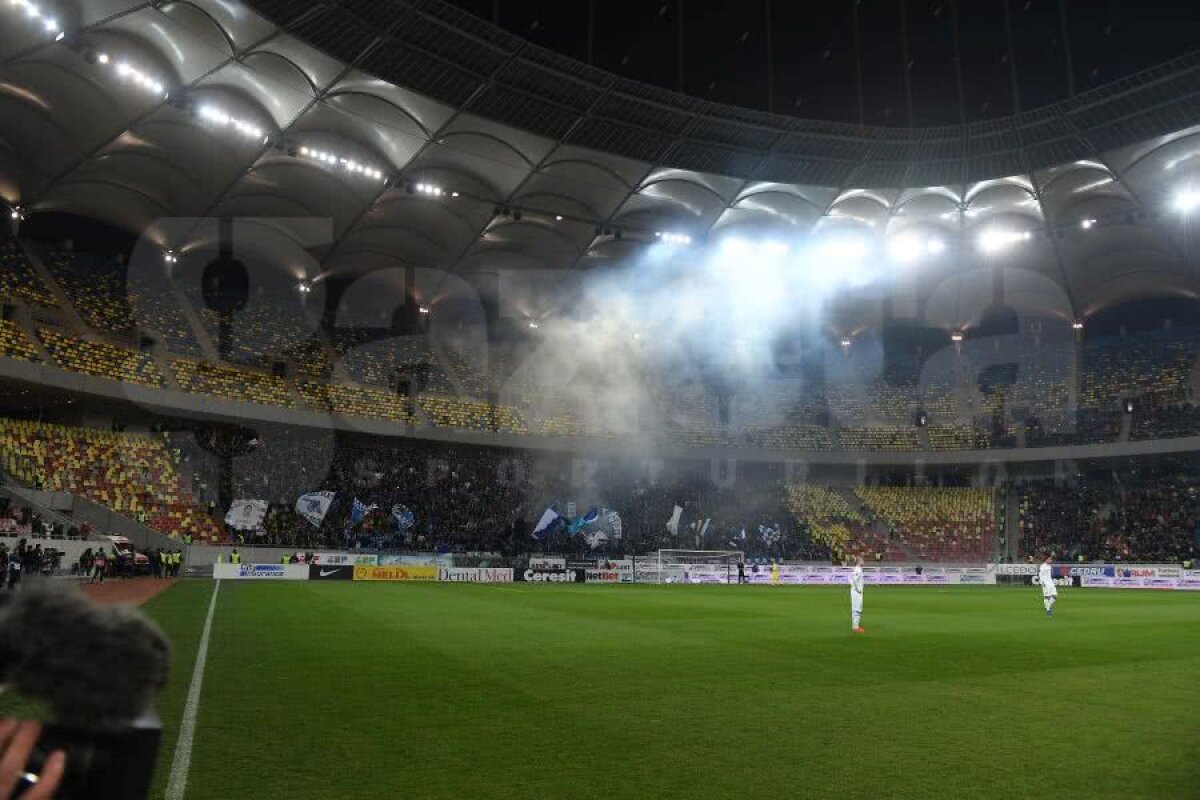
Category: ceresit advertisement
<point>363,572</point>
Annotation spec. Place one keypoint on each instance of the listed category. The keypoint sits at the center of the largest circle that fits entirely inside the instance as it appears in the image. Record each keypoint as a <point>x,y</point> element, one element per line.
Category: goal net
<point>696,566</point>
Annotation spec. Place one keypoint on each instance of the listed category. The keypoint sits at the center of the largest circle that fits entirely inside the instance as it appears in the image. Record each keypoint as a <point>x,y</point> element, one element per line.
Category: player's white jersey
<point>1047,581</point>
<point>856,581</point>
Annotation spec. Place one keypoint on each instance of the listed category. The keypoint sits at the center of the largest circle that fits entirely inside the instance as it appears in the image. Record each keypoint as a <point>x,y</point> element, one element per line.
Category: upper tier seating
<point>356,401</point>
<point>1154,363</point>
<point>875,438</point>
<point>96,288</point>
<point>15,344</point>
<point>231,383</point>
<point>132,474</point>
<point>18,279</point>
<point>101,359</point>
<point>471,415</point>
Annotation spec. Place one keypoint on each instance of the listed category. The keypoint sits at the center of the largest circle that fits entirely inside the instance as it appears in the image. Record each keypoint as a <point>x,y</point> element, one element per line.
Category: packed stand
<point>1150,515</point>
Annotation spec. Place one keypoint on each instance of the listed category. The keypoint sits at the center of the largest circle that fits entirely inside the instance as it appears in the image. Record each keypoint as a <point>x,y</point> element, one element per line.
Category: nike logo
<point>327,572</point>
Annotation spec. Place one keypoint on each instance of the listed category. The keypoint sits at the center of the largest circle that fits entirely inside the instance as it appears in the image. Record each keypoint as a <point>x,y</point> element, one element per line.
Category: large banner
<point>259,572</point>
<point>475,574</point>
<point>369,559</point>
<point>417,560</point>
<point>246,515</point>
<point>395,573</point>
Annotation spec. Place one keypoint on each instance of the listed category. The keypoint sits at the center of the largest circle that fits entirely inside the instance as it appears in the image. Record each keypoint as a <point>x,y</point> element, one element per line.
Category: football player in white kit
<point>1049,590</point>
<point>856,596</point>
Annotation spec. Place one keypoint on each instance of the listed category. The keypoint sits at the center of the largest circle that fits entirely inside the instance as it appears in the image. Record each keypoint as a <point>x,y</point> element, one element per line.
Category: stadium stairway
<point>65,307</point>
<point>875,534</point>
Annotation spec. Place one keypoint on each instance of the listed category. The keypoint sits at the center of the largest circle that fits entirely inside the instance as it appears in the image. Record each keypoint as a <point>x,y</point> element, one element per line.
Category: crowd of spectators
<point>1142,515</point>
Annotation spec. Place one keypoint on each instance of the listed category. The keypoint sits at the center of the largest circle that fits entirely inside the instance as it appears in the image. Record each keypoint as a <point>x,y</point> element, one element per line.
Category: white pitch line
<point>177,784</point>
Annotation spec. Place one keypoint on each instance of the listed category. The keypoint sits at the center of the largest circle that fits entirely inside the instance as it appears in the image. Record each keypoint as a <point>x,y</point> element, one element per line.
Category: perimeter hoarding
<point>395,573</point>
<point>260,572</point>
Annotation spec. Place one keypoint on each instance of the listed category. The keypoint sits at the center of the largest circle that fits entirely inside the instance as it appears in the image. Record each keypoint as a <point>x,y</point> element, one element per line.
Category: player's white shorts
<point>856,599</point>
<point>1052,591</point>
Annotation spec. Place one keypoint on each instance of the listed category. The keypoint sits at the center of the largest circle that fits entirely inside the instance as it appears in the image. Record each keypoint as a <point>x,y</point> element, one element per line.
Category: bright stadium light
<point>102,58</point>
<point>1077,325</point>
<point>669,237</point>
<point>533,325</point>
<point>1186,200</point>
<point>905,248</point>
<point>935,246</point>
<point>304,287</point>
<point>956,336</point>
<point>423,309</point>
<point>1087,224</point>
<point>993,240</point>
<point>846,342</point>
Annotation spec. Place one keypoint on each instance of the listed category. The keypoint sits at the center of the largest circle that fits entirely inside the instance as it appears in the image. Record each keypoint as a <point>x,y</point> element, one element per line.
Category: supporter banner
<point>417,560</point>
<point>475,574</point>
<point>395,573</point>
<point>549,575</point>
<point>277,572</point>
<point>314,506</point>
<point>246,515</point>
<point>547,562</point>
<point>368,559</point>
<point>337,572</point>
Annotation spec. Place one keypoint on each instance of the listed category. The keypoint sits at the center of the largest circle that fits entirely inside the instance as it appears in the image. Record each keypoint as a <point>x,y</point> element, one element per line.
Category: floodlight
<point>905,248</point>
<point>1186,200</point>
<point>956,336</point>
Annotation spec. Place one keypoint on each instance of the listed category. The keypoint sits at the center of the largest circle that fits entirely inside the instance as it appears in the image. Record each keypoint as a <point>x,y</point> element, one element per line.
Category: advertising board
<point>395,573</point>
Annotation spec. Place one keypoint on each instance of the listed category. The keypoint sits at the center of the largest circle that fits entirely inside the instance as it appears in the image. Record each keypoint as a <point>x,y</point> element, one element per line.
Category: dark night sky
<point>725,49</point>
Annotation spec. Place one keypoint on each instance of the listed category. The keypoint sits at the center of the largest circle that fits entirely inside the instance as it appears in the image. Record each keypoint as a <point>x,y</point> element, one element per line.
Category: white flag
<point>246,515</point>
<point>314,506</point>
<point>673,522</point>
<point>614,524</point>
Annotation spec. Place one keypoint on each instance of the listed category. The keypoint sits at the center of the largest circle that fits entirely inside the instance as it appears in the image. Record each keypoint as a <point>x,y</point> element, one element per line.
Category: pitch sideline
<point>177,783</point>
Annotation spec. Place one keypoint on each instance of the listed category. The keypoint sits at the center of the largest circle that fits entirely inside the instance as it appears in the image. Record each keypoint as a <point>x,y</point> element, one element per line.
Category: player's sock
<point>857,619</point>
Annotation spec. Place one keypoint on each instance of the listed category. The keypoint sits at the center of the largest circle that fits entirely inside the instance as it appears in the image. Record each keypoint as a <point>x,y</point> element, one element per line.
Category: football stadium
<point>599,399</point>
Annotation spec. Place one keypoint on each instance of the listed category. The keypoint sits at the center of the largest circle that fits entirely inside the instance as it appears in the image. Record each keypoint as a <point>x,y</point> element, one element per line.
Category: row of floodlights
<point>35,15</point>
<point>348,164</point>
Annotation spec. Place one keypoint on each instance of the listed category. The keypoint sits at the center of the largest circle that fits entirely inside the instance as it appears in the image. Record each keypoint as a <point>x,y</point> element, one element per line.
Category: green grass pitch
<point>323,690</point>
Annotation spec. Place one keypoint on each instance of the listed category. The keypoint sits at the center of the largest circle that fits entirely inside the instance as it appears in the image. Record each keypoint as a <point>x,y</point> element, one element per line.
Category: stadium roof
<point>361,112</point>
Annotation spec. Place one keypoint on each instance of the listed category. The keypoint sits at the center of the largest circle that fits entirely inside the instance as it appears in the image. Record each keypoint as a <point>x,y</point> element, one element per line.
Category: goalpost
<point>697,566</point>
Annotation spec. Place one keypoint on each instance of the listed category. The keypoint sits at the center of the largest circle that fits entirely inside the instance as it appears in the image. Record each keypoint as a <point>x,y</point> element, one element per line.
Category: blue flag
<point>405,519</point>
<point>550,522</point>
<point>579,523</point>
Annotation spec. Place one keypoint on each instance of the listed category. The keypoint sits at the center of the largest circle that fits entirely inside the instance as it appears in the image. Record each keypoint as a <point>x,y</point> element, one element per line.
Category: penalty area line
<point>177,783</point>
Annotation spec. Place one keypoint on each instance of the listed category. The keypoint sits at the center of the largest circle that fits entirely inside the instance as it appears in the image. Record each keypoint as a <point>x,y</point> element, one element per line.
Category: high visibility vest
<point>235,558</point>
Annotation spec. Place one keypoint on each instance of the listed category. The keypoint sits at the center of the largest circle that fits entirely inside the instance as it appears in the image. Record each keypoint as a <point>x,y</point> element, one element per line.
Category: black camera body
<point>109,763</point>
